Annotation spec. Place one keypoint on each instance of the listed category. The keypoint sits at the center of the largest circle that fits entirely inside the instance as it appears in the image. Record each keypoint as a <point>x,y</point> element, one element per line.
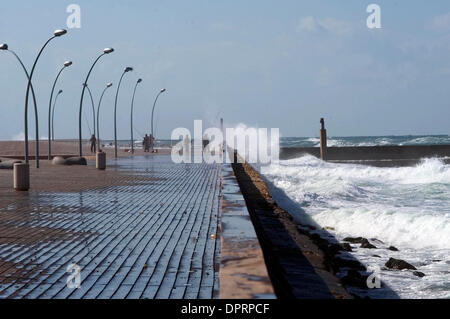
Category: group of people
<point>148,143</point>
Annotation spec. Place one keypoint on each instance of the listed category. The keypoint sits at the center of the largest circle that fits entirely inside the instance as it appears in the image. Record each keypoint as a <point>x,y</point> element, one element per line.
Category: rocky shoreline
<point>336,256</point>
<point>296,265</point>
<point>349,269</point>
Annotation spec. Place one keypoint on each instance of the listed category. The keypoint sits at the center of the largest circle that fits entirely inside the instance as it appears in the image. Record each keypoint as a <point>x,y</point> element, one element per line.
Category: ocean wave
<point>366,141</point>
<point>408,206</point>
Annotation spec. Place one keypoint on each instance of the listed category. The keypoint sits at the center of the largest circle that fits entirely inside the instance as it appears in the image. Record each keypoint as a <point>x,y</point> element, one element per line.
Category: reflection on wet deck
<point>150,239</point>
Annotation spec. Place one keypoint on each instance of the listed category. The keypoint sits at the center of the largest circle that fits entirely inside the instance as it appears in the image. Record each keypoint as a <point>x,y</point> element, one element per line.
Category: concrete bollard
<point>21,177</point>
<point>101,160</point>
<point>323,141</point>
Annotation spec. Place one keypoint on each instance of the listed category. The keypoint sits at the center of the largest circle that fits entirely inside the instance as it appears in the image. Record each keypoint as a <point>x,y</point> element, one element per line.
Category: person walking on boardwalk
<point>145,143</point>
<point>93,142</point>
<point>205,141</point>
<point>151,142</point>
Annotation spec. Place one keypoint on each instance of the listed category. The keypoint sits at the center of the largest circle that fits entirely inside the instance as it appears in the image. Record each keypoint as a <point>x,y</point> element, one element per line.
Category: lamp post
<point>56,34</point>
<point>153,112</point>
<point>132,108</point>
<point>50,130</point>
<point>93,107</point>
<point>105,51</point>
<point>98,114</point>
<point>53,115</point>
<point>127,69</point>
<point>4,47</point>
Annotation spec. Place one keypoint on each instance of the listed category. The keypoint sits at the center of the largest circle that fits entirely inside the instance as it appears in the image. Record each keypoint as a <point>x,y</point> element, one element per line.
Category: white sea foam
<point>407,207</point>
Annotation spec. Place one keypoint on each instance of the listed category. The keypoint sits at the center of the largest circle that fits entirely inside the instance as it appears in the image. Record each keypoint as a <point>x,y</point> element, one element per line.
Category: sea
<point>405,207</point>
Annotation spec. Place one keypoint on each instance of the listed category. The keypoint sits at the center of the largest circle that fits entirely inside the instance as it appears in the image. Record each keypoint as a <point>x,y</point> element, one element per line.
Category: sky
<point>268,64</point>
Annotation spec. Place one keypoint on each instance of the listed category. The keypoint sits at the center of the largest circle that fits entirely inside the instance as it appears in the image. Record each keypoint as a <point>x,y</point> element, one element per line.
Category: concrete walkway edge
<point>243,273</point>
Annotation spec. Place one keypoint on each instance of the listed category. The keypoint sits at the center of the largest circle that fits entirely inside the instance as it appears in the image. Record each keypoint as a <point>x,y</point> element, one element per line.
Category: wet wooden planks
<point>150,240</point>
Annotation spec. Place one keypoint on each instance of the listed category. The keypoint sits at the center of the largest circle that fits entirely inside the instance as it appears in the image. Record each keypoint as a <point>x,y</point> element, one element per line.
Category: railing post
<point>323,141</point>
<point>22,177</point>
<point>101,160</point>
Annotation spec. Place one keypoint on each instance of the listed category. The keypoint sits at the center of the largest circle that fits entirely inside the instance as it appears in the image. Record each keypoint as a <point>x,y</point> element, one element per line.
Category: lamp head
<point>67,64</point>
<point>59,32</point>
<point>109,85</point>
<point>139,81</point>
<point>60,91</point>
<point>128,69</point>
<point>108,50</point>
<point>163,90</point>
<point>3,46</point>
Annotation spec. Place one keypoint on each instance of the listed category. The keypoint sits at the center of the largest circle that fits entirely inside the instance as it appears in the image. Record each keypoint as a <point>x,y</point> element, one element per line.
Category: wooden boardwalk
<point>154,238</point>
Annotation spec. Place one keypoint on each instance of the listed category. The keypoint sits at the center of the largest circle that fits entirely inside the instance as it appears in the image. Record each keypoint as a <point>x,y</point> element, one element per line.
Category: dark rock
<point>356,240</point>
<point>333,249</point>
<point>76,161</point>
<point>58,160</point>
<point>376,256</point>
<point>8,164</point>
<point>320,242</point>
<point>346,247</point>
<point>419,274</point>
<point>393,248</point>
<point>366,244</point>
<point>355,279</point>
<point>377,240</point>
<point>338,263</point>
<point>399,264</point>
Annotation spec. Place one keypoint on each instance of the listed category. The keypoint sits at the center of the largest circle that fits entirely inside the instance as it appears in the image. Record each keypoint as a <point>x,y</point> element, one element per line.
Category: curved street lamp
<point>153,112</point>
<point>4,47</point>
<point>132,108</point>
<point>98,115</point>
<point>50,130</point>
<point>127,69</point>
<point>53,115</point>
<point>93,107</point>
<point>56,34</point>
<point>105,51</point>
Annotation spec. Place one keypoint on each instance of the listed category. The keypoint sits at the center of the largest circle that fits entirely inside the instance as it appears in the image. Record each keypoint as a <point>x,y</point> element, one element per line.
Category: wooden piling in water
<point>323,141</point>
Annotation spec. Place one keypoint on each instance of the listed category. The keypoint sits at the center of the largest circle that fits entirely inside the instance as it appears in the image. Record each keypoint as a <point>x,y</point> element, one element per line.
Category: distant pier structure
<point>380,155</point>
<point>323,140</point>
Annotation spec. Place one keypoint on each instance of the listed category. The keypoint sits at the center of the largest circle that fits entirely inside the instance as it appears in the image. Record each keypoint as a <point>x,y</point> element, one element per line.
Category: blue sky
<point>263,63</point>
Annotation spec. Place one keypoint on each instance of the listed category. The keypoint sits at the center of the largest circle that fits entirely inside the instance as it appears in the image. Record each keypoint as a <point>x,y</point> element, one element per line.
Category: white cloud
<point>307,24</point>
<point>19,137</point>
<point>441,23</point>
<point>329,25</point>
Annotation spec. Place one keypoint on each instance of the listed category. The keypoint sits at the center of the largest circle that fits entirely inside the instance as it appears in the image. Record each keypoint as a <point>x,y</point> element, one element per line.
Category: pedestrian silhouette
<point>93,142</point>
<point>145,144</point>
